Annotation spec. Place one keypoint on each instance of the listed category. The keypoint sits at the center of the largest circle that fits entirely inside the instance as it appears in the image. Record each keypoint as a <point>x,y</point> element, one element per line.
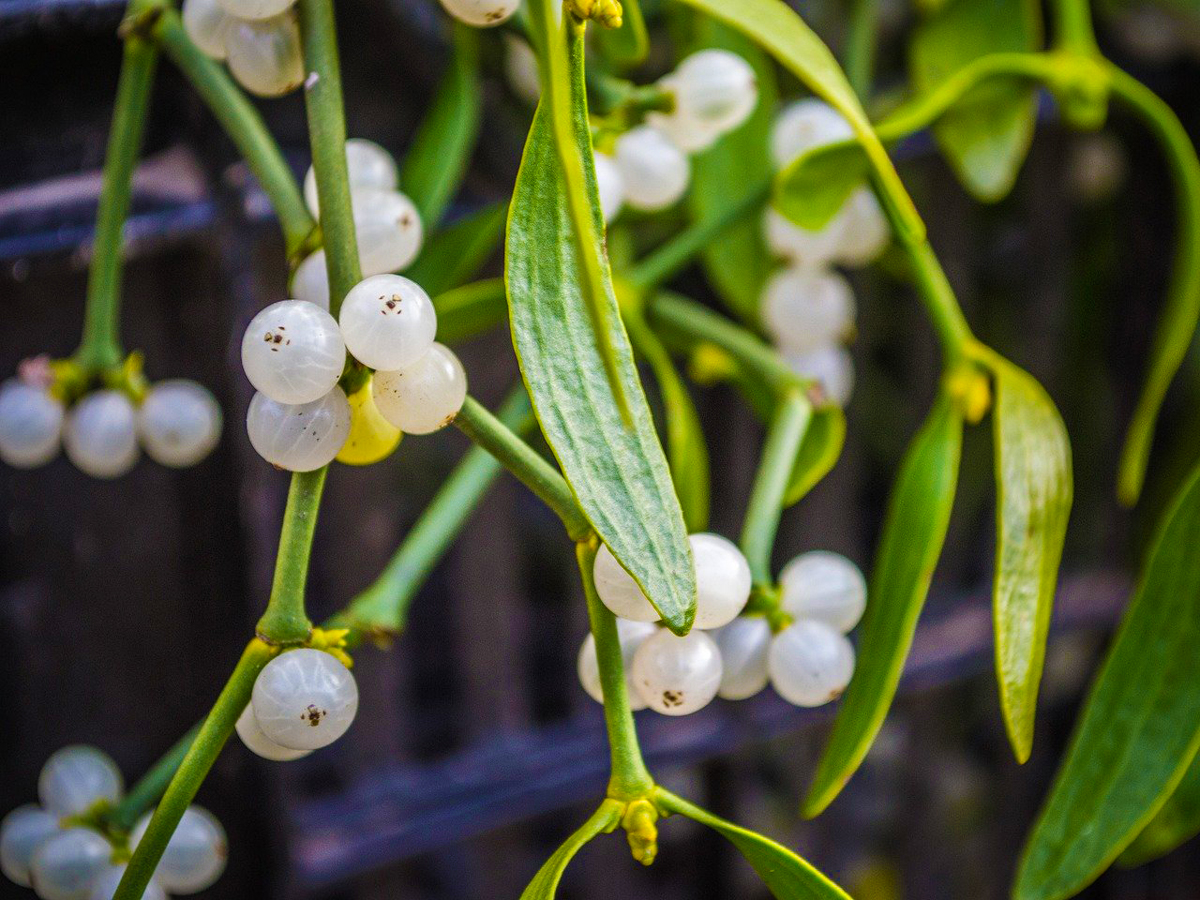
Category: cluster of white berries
<point>302,700</point>
<point>177,422</point>
<point>808,307</point>
<point>258,39</point>
<point>58,851</point>
<point>728,654</point>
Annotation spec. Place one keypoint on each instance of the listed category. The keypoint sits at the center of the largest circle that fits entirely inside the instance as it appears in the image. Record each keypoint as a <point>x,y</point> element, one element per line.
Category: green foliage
<point>545,882</point>
<point>813,187</point>
<point>913,533</point>
<point>627,46</point>
<point>1139,728</point>
<point>819,452</point>
<point>470,310</point>
<point>1178,821</point>
<point>452,255</point>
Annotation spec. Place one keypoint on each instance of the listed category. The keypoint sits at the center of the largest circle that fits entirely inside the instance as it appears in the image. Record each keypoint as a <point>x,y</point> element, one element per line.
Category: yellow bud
<point>971,391</point>
<point>639,826</point>
<point>711,365</point>
<point>372,437</point>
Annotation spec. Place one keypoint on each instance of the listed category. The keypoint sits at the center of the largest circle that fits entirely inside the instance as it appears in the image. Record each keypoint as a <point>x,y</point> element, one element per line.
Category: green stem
<point>525,463</point>
<point>1073,28</point>
<point>285,621</point>
<point>860,45</point>
<point>630,779</point>
<point>191,772</point>
<point>784,437</point>
<point>100,347</point>
<point>242,122</point>
<point>327,136</point>
<point>150,786</point>
<point>938,296</point>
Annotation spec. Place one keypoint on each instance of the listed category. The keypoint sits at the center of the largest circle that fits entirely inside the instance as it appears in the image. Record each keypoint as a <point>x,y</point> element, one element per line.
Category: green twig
<point>1073,27</point>
<point>860,45</point>
<point>285,621</point>
<point>938,296</point>
<point>149,788</point>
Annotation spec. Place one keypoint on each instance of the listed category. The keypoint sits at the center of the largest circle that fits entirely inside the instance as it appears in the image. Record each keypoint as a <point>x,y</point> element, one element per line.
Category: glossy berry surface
<point>195,855</point>
<point>304,699</point>
<point>75,777</point>
<point>179,422</point>
<point>722,579</point>
<point>265,56</point>
<point>299,437</point>
<point>368,166</point>
<point>311,281</point>
<point>810,663</point>
<point>205,22</point>
<point>388,322</point>
<point>388,229</point>
<point>804,125</point>
<point>804,308</point>
<point>677,675</point>
<point>826,587</point>
<point>654,171</point>
<point>21,833</point>
<point>481,13</point>
<point>31,423</point>
<point>618,591</point>
<point>293,352</point>
<point>831,367</point>
<point>802,246</point>
<point>631,635</point>
<point>425,396</point>
<point>258,743</point>
<point>255,9</point>
<point>65,865</point>
<point>714,89</point>
<point>865,229</point>
<point>100,435</point>
<point>743,643</point>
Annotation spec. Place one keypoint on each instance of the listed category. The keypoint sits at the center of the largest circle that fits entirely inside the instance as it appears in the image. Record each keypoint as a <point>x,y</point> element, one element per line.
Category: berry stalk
<point>285,620</point>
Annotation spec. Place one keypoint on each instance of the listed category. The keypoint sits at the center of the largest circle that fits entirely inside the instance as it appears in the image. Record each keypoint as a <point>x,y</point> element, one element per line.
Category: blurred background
<point>124,605</point>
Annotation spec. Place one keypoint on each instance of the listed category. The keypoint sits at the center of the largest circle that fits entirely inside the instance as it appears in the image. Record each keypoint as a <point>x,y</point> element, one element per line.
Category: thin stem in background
<point>860,46</point>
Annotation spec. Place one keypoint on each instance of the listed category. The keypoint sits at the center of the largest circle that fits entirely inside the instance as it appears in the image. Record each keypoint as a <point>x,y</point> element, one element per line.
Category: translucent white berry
<point>803,125</point>
<point>31,423</point>
<point>104,885</point>
<point>425,396</point>
<point>609,186</point>
<point>311,281</point>
<point>368,166</point>
<point>21,833</point>
<point>388,228</point>
<point>293,352</point>
<point>388,322</point>
<point>743,644</point>
<point>301,437</point>
<point>521,69</point>
<point>687,134</point>
<point>265,56</point>
<point>677,675</point>
<point>865,229</point>
<point>715,89</point>
<point>205,22</point>
<point>631,635</point>
<point>100,435</point>
<point>481,13</point>
<point>304,699</point>
<point>722,579</point>
<point>179,422</point>
<point>826,587</point>
<point>804,308</point>
<point>65,865</point>
<point>801,245</point>
<point>195,855</point>
<point>831,367</point>
<point>256,9</point>
<point>75,777</point>
<point>257,742</point>
<point>810,663</point>
<point>618,591</point>
<point>654,171</point>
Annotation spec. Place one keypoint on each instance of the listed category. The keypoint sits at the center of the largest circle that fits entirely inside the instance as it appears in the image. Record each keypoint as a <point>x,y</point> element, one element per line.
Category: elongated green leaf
<point>1033,492</point>
<point>813,187</point>
<point>818,453</point>
<point>911,542</point>
<point>1140,727</point>
<point>438,159</point>
<point>545,882</point>
<point>987,134</point>
<point>470,310</point>
<point>738,264</point>
<point>627,46</point>
<point>785,874</point>
<point>454,254</point>
<point>617,469</point>
<point>777,28</point>
<point>1178,821</point>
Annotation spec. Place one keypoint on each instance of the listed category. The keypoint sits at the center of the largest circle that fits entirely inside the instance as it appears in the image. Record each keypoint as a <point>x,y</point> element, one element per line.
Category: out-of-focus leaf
<point>470,310</point>
<point>813,187</point>
<point>785,874</point>
<point>627,46</point>
<point>1140,727</point>
<point>818,453</point>
<point>545,882</point>
<point>616,468</point>
<point>454,254</point>
<point>987,134</point>
<point>441,150</point>
<point>1178,821</point>
<point>1033,503</point>
<point>913,533</point>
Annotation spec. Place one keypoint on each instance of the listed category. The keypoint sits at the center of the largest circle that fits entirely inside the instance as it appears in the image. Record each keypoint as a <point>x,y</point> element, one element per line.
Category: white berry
<point>265,56</point>
<point>802,245</point>
<point>831,367</point>
<point>255,9</point>
<point>75,777</point>
<point>654,171</point>
<point>686,134</point>
<point>205,22</point>
<point>804,308</point>
<point>388,322</point>
<point>31,423</point>
<point>195,855</point>
<point>257,742</point>
<point>65,865</point>
<point>179,422</point>
<point>609,186</point>
<point>722,579</point>
<point>368,166</point>
<point>826,587</point>
<point>743,644</point>
<point>810,663</point>
<point>631,635</point>
<point>301,437</point>
<point>481,13</point>
<point>425,396</point>
<point>804,125</point>
<point>677,675</point>
<point>865,229</point>
<point>293,352</point>
<point>304,699</point>
<point>618,591</point>
<point>388,228</point>
<point>311,281</point>
<point>21,833</point>
<point>100,435</point>
<point>715,89</point>
<point>104,885</point>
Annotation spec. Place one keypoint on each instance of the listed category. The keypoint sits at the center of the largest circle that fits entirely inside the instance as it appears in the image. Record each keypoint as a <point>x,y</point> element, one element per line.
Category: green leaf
<point>818,453</point>
<point>455,253</point>
<point>783,872</point>
<point>616,468</point>
<point>911,542</point>
<point>437,161</point>
<point>777,28</point>
<point>627,46</point>
<point>986,136</point>
<point>545,882</point>
<point>1178,821</point>
<point>813,187</point>
<point>738,264</point>
<point>1138,731</point>
<point>470,310</point>
<point>1033,502</point>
